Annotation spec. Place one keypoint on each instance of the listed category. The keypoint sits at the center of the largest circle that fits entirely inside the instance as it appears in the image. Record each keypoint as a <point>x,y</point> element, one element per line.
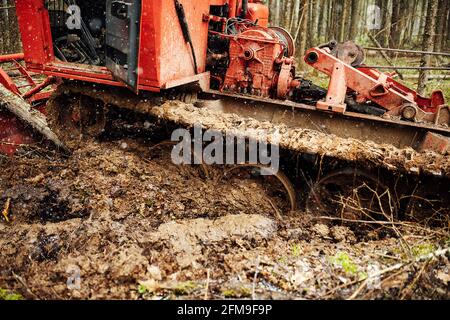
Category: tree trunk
<point>387,19</point>
<point>395,33</point>
<point>321,27</point>
<point>354,21</point>
<point>313,28</point>
<point>303,32</point>
<point>428,43</point>
<point>440,24</point>
<point>445,40</point>
<point>276,20</point>
<point>331,20</point>
<point>343,34</point>
<point>295,16</point>
<point>423,16</point>
<point>404,6</point>
<point>287,14</point>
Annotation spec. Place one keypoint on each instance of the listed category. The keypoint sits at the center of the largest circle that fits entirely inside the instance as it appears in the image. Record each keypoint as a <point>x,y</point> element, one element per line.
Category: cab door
<point>122,40</point>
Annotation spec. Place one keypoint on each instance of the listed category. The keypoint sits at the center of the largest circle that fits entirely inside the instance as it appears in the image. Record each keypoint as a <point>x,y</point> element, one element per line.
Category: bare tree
<point>428,43</point>
<point>304,29</point>
<point>354,22</point>
<point>440,24</point>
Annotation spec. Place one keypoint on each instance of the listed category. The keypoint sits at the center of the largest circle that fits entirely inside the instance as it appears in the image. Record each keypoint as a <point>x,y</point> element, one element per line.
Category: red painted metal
<point>39,87</point>
<point>436,142</point>
<point>163,58</point>
<point>233,8</point>
<point>258,11</point>
<point>426,104</point>
<point>34,24</point>
<point>10,57</point>
<point>370,85</point>
<point>13,133</point>
<point>257,61</point>
<point>9,82</point>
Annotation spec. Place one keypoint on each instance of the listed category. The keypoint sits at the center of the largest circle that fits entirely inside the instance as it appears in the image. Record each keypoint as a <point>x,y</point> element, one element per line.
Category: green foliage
<point>296,250</point>
<point>242,292</point>
<point>7,295</point>
<point>184,288</point>
<point>343,260</point>
<point>423,249</point>
<point>142,289</point>
<point>229,293</point>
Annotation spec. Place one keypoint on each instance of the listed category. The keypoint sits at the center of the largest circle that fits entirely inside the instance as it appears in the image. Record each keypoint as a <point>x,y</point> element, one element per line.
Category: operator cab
<point>97,33</point>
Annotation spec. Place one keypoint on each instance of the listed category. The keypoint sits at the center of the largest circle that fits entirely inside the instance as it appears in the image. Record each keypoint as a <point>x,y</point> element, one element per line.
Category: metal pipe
<point>39,87</point>
<point>244,9</point>
<point>444,54</point>
<point>233,8</point>
<point>9,57</point>
<point>405,68</point>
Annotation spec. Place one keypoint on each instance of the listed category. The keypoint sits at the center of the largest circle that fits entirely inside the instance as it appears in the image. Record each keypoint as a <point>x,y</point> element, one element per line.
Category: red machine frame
<point>162,59</point>
<point>13,132</point>
<point>373,85</point>
<point>34,93</point>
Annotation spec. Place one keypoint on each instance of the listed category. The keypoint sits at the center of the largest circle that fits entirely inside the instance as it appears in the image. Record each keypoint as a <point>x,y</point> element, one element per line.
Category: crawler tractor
<point>369,138</point>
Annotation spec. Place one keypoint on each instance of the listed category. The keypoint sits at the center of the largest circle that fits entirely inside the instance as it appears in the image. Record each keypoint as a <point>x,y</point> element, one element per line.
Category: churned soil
<point>118,220</point>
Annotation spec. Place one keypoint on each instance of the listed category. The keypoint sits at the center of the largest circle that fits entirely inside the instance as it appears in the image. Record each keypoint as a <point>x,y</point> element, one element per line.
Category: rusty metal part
<point>285,79</point>
<point>352,194</point>
<point>261,62</point>
<point>287,39</point>
<point>436,142</point>
<point>349,53</point>
<point>372,86</point>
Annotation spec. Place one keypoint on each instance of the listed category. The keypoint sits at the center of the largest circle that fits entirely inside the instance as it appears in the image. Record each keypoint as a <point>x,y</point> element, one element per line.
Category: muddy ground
<point>134,226</point>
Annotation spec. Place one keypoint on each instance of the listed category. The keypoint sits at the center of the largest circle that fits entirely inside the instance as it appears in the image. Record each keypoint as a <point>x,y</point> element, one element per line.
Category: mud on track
<point>137,226</point>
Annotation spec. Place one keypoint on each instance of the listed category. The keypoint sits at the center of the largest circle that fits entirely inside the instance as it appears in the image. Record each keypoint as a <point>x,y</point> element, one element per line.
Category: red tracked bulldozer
<point>222,55</point>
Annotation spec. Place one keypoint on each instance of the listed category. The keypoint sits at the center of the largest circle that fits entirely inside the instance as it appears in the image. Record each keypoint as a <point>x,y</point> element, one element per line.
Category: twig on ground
<point>404,224</point>
<point>22,282</point>
<point>413,283</point>
<point>255,278</point>
<point>207,284</point>
<point>398,266</point>
<point>277,212</point>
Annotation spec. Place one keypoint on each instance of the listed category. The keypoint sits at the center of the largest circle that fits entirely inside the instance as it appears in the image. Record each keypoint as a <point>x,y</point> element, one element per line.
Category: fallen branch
<point>385,56</point>
<point>398,266</point>
<point>381,223</point>
<point>24,112</point>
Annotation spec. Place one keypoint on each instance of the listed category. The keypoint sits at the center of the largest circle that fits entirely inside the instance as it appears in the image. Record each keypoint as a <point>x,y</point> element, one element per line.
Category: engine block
<point>261,63</point>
